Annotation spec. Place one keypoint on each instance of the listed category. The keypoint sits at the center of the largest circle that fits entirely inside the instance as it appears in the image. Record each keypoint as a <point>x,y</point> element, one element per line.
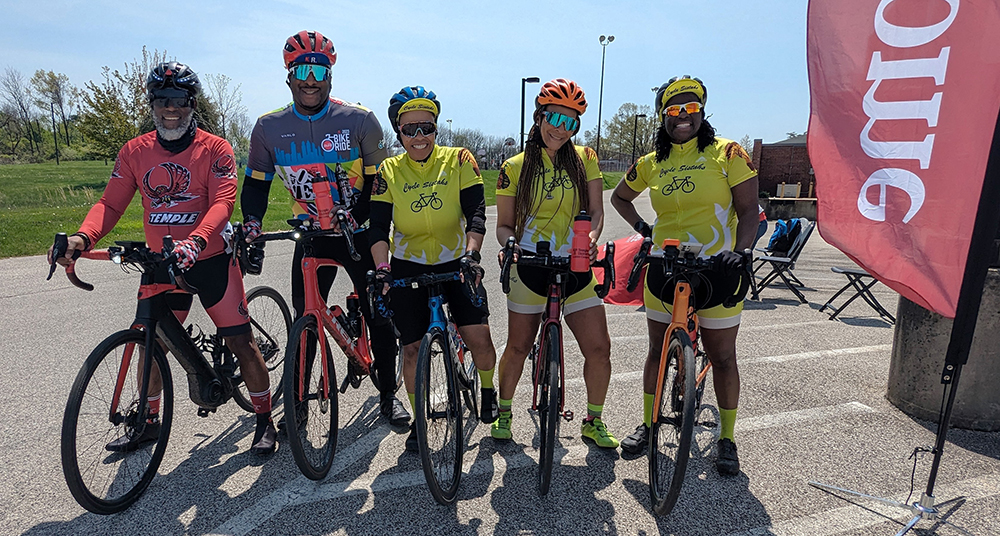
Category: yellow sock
<point>485,378</point>
<point>413,401</point>
<point>593,410</point>
<point>504,404</point>
<point>728,418</point>
<point>647,408</point>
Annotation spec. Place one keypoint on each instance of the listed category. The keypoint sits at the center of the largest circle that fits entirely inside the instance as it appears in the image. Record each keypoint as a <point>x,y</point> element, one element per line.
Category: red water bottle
<point>324,200</point>
<point>579,252</point>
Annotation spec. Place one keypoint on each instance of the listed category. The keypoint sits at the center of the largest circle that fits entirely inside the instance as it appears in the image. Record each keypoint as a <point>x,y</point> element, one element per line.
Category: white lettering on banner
<point>905,36</point>
<point>927,110</point>
<point>878,70</point>
<point>897,178</point>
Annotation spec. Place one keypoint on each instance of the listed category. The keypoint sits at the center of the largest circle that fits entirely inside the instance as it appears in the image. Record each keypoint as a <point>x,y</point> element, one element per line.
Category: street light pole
<point>451,134</point>
<point>635,127</point>
<point>532,80</point>
<point>600,100</point>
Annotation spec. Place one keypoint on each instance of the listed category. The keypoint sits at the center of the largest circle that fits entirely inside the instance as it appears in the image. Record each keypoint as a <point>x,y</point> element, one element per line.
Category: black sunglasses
<point>410,130</point>
<point>172,102</point>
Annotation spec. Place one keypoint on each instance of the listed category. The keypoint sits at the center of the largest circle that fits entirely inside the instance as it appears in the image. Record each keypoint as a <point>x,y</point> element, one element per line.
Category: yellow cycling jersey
<point>427,218</point>
<point>691,192</point>
<point>555,200</point>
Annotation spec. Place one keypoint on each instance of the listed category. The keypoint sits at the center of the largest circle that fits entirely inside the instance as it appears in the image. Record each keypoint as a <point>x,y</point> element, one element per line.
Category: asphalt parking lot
<point>812,407</point>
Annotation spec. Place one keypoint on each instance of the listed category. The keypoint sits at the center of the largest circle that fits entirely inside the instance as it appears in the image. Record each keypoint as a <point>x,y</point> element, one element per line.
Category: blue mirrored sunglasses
<point>555,119</point>
<point>303,70</point>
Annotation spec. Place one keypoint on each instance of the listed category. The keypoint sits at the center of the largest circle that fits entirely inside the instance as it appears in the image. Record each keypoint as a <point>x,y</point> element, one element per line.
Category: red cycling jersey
<point>190,193</point>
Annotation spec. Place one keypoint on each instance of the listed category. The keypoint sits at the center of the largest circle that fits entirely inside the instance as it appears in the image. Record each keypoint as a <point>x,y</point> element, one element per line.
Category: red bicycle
<point>548,374</point>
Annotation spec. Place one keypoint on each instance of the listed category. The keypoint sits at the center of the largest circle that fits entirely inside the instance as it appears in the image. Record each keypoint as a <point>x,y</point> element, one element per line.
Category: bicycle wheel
<point>468,381</point>
<point>312,421</point>
<point>270,321</point>
<point>438,419</point>
<point>670,435</point>
<point>102,481</point>
<point>548,409</point>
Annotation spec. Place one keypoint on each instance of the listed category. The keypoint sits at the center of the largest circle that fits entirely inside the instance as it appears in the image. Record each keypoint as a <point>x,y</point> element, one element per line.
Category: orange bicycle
<point>683,368</point>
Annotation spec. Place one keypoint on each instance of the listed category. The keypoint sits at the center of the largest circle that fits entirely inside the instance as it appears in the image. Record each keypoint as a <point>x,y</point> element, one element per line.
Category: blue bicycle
<point>444,368</point>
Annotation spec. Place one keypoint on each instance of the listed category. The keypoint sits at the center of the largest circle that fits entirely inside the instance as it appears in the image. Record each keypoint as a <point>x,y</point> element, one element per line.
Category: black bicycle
<point>107,404</point>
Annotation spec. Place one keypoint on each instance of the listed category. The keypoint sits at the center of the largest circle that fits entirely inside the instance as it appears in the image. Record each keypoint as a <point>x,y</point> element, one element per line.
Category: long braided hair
<point>532,170</point>
<point>706,137</point>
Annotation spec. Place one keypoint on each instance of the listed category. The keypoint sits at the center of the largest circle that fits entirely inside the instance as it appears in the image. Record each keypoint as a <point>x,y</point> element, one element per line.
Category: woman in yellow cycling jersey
<point>433,196</point>
<point>703,189</point>
<point>539,191</point>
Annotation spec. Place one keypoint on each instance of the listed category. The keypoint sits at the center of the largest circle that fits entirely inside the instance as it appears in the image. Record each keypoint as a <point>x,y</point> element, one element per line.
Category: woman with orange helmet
<point>539,192</point>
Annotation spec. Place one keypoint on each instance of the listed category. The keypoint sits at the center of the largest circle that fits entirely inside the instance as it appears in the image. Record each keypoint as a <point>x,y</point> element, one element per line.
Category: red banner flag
<point>904,96</point>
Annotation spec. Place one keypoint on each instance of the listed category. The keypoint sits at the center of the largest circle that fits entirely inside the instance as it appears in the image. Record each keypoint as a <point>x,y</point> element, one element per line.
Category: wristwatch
<point>200,241</point>
<point>476,256</point>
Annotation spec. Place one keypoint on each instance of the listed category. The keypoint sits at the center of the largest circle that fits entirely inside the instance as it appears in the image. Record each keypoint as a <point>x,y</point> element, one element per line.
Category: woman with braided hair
<point>539,192</point>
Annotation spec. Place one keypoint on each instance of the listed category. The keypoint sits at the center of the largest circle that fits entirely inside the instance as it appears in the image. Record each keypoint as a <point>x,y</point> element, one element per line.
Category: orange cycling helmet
<point>309,47</point>
<point>562,92</point>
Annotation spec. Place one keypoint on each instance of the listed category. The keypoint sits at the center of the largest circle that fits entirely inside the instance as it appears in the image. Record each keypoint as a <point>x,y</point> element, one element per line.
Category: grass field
<point>39,200</point>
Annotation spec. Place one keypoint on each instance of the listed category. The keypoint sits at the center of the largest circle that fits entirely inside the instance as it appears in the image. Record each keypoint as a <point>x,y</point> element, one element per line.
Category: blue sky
<point>751,54</point>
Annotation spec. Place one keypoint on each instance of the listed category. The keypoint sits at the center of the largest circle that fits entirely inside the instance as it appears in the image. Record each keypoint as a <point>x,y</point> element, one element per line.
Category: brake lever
<point>348,232</point>
<point>59,247</point>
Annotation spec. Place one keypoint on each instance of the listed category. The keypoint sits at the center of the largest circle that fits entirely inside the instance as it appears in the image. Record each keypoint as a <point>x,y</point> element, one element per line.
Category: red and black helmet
<point>562,92</point>
<point>309,47</point>
<point>172,75</point>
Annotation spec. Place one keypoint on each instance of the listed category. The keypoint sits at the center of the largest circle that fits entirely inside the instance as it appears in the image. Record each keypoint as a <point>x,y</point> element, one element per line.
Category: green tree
<point>111,117</point>
<point>53,89</point>
<point>16,95</point>
<point>617,133</point>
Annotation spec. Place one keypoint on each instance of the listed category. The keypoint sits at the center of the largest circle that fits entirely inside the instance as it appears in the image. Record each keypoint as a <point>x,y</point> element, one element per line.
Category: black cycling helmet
<point>677,85</point>
<point>172,75</point>
<point>421,97</point>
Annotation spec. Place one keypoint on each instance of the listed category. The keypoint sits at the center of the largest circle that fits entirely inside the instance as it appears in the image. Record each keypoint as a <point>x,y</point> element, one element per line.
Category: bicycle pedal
<point>567,415</point>
<point>204,412</point>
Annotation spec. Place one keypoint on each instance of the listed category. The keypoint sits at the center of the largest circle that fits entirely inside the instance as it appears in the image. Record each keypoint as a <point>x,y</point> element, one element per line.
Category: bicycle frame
<point>682,317</point>
<point>552,315</point>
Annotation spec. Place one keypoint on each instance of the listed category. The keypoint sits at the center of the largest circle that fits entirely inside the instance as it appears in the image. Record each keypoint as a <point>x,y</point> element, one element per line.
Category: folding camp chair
<point>781,267</point>
<point>862,282</point>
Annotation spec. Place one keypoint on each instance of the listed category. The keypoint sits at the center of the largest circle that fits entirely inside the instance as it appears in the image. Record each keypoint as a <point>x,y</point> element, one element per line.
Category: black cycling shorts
<point>410,312</point>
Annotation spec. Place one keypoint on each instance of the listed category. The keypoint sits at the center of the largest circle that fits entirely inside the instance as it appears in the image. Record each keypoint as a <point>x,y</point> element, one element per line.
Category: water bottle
<point>579,253</point>
<point>324,200</point>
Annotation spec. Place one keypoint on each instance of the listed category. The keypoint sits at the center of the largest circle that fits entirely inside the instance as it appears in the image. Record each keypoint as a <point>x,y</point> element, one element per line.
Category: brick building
<point>785,162</point>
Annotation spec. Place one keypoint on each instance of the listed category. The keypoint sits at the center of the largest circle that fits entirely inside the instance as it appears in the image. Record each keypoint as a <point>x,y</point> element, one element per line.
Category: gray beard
<point>171,134</point>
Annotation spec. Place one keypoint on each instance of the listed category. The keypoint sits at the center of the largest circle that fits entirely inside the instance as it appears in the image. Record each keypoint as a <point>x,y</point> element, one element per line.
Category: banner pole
<point>971,294</point>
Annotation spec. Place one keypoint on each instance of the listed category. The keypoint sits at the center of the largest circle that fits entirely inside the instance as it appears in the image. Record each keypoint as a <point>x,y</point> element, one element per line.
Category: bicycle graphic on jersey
<point>563,181</point>
<point>425,200</point>
<point>685,185</point>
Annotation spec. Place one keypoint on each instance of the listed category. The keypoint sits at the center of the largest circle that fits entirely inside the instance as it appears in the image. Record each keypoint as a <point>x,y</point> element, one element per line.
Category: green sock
<point>504,404</point>
<point>413,401</point>
<point>728,418</point>
<point>647,409</point>
<point>594,411</point>
<point>485,378</point>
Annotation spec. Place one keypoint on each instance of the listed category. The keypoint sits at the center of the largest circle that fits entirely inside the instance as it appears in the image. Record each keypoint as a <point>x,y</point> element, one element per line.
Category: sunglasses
<point>555,119</point>
<point>172,102</point>
<point>303,70</point>
<point>410,130</point>
<point>675,110</point>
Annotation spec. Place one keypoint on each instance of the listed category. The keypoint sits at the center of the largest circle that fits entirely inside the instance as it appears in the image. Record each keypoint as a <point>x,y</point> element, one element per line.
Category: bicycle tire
<point>270,322</point>
<point>469,383</point>
<point>435,202</point>
<point>111,481</point>
<point>548,416</point>
<point>438,421</point>
<point>670,436</point>
<point>313,444</point>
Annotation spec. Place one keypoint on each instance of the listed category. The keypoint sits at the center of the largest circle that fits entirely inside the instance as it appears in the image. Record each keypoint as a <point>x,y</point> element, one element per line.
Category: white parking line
<point>836,352</point>
<point>292,492</point>
<point>852,518</point>
<point>302,491</point>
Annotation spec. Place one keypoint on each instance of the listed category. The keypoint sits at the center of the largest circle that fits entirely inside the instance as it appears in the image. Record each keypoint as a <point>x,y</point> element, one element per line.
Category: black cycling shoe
<point>637,441</point>
<point>394,410</point>
<point>129,442</point>
<point>728,462</point>
<point>265,439</point>
<point>411,440</point>
<point>488,408</point>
